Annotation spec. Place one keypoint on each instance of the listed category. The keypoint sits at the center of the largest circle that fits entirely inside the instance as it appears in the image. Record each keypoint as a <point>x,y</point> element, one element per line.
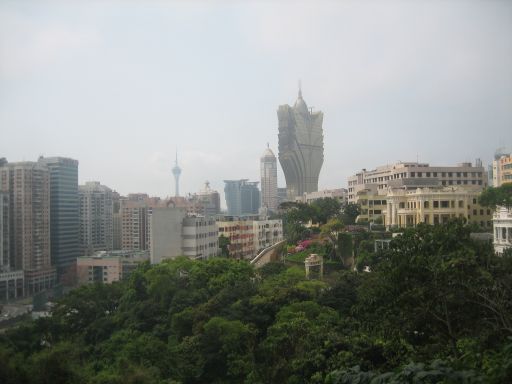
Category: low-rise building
<point>108,266</point>
<point>267,233</point>
<point>412,175</point>
<point>407,208</point>
<point>248,235</point>
<point>340,194</point>
<point>240,233</point>
<point>502,223</point>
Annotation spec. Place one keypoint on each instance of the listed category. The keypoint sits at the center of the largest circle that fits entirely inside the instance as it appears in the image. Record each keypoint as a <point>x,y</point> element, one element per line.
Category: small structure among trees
<point>314,260</point>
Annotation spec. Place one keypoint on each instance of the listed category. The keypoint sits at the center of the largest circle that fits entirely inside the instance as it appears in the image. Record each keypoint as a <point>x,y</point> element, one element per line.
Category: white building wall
<point>266,233</point>
<point>166,233</point>
<point>200,237</point>
<point>502,223</point>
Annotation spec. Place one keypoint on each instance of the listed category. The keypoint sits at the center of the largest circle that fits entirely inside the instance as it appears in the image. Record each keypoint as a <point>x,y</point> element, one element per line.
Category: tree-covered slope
<point>436,308</point>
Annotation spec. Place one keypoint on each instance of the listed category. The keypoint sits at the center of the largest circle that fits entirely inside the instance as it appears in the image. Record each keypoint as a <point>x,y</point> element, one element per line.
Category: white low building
<point>502,222</point>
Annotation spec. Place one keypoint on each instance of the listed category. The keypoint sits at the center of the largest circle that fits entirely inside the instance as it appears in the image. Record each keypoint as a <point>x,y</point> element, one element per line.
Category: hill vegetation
<point>436,307</point>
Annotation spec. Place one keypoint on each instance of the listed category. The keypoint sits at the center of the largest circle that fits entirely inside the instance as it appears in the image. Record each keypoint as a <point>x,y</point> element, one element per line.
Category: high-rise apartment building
<point>28,187</point>
<point>64,211</point>
<point>415,175</point>
<point>135,212</point>
<point>301,147</point>
<point>242,197</point>
<point>96,217</point>
<point>4,232</point>
<point>268,171</point>
<point>116,221</point>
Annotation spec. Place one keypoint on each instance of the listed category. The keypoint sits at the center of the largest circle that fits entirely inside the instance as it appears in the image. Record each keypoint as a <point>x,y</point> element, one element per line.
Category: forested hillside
<point>436,307</point>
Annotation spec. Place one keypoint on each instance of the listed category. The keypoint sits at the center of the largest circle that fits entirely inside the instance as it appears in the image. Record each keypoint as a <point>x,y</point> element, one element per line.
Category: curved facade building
<point>301,147</point>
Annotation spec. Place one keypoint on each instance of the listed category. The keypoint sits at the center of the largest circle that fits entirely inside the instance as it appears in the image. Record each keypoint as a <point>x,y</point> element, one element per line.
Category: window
<point>420,174</point>
<point>445,204</point>
<point>413,174</point>
<point>474,201</point>
<point>436,204</point>
<point>425,204</point>
<point>427,174</point>
<point>461,204</point>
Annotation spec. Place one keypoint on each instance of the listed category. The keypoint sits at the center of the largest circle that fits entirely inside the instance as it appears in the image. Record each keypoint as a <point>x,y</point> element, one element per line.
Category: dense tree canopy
<point>492,197</point>
<point>437,307</point>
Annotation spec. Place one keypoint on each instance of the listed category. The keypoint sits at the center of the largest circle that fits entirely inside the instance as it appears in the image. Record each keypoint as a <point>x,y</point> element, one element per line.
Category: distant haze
<point>120,85</point>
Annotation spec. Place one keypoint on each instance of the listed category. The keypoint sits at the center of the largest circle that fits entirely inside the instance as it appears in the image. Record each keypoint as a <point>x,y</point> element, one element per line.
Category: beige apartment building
<point>241,235</point>
<point>435,206</point>
<point>108,266</point>
<point>249,236</point>
<point>28,187</point>
<point>415,175</point>
<point>135,212</point>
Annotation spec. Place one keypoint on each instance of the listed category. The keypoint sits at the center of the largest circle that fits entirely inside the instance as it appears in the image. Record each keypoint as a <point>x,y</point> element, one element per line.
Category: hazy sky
<point>120,85</point>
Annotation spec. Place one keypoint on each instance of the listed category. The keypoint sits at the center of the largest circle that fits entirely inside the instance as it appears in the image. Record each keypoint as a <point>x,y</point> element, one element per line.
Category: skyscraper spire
<point>300,89</point>
<point>176,171</point>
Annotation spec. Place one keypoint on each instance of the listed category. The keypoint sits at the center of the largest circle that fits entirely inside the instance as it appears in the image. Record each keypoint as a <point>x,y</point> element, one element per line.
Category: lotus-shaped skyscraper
<point>301,147</point>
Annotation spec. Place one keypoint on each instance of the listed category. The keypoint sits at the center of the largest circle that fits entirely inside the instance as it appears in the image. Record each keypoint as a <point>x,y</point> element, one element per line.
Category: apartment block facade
<point>28,187</point>
<point>64,211</point>
<point>108,266</point>
<point>135,214</point>
<point>248,236</point>
<point>175,233</point>
<point>96,217</point>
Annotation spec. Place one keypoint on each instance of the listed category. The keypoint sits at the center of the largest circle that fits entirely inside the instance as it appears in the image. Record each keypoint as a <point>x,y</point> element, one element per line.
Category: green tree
<point>350,211</point>
<point>492,197</point>
<point>331,230</point>
<point>224,243</point>
<point>324,209</point>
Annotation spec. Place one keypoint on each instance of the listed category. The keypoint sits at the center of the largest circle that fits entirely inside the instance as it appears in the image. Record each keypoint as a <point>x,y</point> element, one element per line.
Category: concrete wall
<point>166,233</point>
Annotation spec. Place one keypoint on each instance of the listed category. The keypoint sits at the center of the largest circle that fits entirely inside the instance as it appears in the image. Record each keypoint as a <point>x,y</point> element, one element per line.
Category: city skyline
<point>423,81</point>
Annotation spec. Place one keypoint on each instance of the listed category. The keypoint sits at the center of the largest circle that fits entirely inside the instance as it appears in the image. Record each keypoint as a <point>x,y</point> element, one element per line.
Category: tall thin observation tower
<point>176,171</point>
